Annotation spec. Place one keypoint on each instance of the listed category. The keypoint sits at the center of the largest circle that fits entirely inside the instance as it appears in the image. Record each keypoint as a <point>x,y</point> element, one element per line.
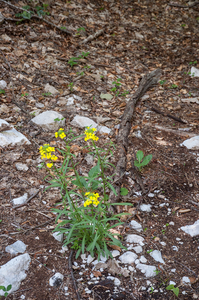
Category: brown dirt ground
<point>171,42</point>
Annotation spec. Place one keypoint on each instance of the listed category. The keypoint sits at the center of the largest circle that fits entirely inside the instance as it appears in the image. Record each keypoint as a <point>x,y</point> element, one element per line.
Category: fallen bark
<point>148,81</point>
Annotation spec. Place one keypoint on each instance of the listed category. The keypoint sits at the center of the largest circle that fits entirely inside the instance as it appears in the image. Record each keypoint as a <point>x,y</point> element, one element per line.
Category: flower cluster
<point>90,135</point>
<point>45,152</point>
<point>92,198</point>
<point>60,133</point>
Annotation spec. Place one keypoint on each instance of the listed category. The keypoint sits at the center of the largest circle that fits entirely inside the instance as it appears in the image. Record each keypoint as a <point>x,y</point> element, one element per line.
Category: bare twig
<point>37,17</point>
<point>168,115</point>
<point>178,132</point>
<point>183,6</point>
<point>32,228</point>
<point>147,82</point>
<point>71,272</point>
<point>29,199</point>
<point>93,36</point>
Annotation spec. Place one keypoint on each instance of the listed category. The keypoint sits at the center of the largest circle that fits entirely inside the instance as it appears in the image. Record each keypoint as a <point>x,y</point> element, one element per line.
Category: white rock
<point>143,259</point>
<point>145,207</point>
<point>70,101</point>
<point>132,269</point>
<point>173,270</point>
<point>137,249</point>
<point>135,225</point>
<point>191,229</point>
<point>83,122</point>
<point>194,72</point>
<point>185,280</point>
<point>192,143</point>
<point>134,238</point>
<point>21,167</point>
<point>58,236</point>
<point>128,257</point>
<point>13,272</point>
<point>116,281</point>
<point>90,259</point>
<point>172,282</point>
<point>20,200</point>
<point>149,271</point>
<point>103,130</point>
<point>17,247</point>
<point>151,195</point>
<point>163,243</point>
<point>3,84</point>
<point>56,280</point>
<point>175,248</point>
<point>115,253</point>
<point>12,137</point>
<point>47,120</point>
<point>50,89</point>
<point>156,254</point>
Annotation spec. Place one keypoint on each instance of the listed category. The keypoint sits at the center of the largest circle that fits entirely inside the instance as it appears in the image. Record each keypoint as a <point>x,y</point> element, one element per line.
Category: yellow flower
<point>49,165</point>
<point>53,157</point>
<point>60,133</point>
<point>90,135</point>
<point>92,198</point>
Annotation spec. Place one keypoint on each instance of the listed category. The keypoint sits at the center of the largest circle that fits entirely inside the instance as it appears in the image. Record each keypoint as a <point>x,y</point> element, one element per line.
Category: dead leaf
<point>115,247</point>
<point>97,273</point>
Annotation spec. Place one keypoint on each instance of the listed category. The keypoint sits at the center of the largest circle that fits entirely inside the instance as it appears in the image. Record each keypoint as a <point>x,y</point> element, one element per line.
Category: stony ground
<point>137,37</point>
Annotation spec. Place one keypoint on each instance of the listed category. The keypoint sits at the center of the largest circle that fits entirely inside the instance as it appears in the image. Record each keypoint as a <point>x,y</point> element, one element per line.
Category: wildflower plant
<point>83,217</point>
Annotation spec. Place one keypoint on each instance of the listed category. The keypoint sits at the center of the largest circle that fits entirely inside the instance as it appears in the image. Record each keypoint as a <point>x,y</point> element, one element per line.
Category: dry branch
<point>147,82</point>
<point>183,6</point>
<point>93,36</point>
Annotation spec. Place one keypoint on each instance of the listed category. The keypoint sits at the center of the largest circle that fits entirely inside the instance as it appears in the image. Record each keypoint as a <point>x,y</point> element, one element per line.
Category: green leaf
<point>5,294</point>
<point>112,188</point>
<point>176,291</point>
<point>170,287</point>
<point>123,191</point>
<point>146,160</point>
<point>94,172</point>
<point>106,96</point>
<point>139,155</point>
<point>2,288</point>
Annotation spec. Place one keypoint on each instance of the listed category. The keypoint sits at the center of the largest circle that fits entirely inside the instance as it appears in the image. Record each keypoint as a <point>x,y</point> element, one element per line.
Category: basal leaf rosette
<point>46,153</point>
<point>90,135</point>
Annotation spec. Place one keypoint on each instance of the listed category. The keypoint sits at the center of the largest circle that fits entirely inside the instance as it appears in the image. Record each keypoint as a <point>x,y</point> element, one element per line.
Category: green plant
<point>193,62</point>
<point>151,290</point>
<point>79,30</point>
<point>183,25</point>
<point>46,94</point>
<point>27,13</point>
<point>142,160</point>
<point>123,191</point>
<point>33,113</point>
<point>125,93</point>
<point>117,85</point>
<point>87,67</point>
<point>162,82</point>
<point>25,94</point>
<point>80,73</point>
<point>58,119</point>
<point>71,85</point>
<point>190,94</point>
<point>157,272</point>
<point>173,86</point>
<point>1,220</point>
<point>2,91</point>
<point>86,222</point>
<point>149,251</point>
<point>74,60</point>
<point>6,290</point>
<point>174,289</point>
<point>63,27</point>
